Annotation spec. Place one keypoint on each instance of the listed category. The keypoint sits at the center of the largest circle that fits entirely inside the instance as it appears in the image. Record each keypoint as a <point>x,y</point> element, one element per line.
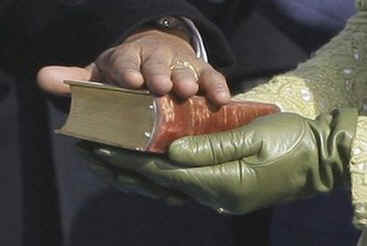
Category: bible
<point>138,120</point>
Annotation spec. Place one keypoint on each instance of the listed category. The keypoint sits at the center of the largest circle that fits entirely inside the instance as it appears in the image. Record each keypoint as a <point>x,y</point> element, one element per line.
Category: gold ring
<point>184,64</point>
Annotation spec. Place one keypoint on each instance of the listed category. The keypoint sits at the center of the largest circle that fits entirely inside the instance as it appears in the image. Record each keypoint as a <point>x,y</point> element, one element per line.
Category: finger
<point>124,180</point>
<point>214,186</point>
<point>215,148</point>
<point>132,161</point>
<point>51,78</point>
<point>157,73</point>
<point>146,188</point>
<point>222,187</point>
<point>214,85</point>
<point>184,81</point>
<point>116,157</point>
<point>132,183</point>
<point>158,170</point>
<point>121,66</point>
<point>229,187</point>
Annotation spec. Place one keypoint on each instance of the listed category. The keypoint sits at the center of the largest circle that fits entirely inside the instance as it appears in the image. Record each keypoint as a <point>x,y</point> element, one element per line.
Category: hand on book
<point>274,159</point>
<point>155,60</point>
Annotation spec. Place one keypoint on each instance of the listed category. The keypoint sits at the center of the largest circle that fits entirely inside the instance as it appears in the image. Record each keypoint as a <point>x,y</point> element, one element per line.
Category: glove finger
<point>225,187</point>
<point>116,157</point>
<point>129,182</point>
<point>216,186</point>
<point>156,168</point>
<point>213,149</point>
<point>144,187</point>
<point>132,183</point>
<point>122,182</point>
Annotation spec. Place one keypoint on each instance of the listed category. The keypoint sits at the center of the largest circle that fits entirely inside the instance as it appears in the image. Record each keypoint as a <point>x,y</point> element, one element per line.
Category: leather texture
<point>276,159</point>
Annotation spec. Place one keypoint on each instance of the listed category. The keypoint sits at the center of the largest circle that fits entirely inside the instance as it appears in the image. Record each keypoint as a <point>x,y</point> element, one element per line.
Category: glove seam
<point>294,147</point>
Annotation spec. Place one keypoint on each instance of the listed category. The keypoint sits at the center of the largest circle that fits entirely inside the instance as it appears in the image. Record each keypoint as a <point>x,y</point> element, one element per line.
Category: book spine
<point>195,116</point>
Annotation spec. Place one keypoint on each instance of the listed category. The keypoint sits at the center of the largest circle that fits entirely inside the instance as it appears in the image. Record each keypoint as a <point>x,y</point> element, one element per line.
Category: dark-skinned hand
<point>150,60</point>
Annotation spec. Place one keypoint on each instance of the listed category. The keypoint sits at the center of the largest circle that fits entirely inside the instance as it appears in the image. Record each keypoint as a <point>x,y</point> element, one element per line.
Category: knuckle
<point>131,79</point>
<point>213,75</point>
<point>116,56</point>
<point>125,51</point>
<point>104,58</point>
<point>219,86</point>
<point>155,68</point>
<point>183,75</point>
<point>217,77</point>
<point>107,52</point>
<point>164,49</point>
<point>127,46</point>
<point>159,57</point>
<point>154,73</point>
<point>160,88</point>
<point>217,82</point>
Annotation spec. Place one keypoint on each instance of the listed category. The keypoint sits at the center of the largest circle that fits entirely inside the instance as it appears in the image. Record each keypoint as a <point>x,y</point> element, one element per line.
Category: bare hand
<point>155,60</point>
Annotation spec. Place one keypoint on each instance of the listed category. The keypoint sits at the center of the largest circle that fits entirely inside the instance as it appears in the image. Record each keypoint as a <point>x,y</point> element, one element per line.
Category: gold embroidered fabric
<point>335,77</point>
<point>358,171</point>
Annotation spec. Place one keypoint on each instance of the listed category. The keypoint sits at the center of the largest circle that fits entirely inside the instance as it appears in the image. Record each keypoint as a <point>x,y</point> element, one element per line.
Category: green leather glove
<point>127,181</point>
<point>274,159</point>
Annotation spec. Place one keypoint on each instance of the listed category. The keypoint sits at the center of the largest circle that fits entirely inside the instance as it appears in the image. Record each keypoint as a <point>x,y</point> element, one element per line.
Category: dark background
<point>76,208</point>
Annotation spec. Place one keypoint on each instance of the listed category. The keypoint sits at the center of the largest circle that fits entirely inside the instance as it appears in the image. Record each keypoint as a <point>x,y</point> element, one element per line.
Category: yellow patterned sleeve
<point>358,172</point>
<point>335,77</point>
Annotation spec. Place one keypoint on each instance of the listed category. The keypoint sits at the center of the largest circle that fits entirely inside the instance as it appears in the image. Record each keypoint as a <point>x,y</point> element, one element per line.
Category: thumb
<point>51,78</point>
<point>217,148</point>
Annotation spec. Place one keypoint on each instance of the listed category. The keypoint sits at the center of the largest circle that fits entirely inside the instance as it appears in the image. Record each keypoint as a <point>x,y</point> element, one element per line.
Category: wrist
<point>164,25</point>
<point>173,25</point>
<point>155,36</point>
<point>290,94</point>
<point>151,31</point>
<point>183,28</point>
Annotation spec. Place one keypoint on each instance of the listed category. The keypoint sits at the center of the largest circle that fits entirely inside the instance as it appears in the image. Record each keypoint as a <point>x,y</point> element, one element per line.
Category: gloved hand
<point>130,182</point>
<point>274,159</point>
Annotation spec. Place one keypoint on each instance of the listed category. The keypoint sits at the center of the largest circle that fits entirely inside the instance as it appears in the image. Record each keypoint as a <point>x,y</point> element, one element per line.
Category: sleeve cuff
<point>197,40</point>
<point>358,172</point>
<point>290,93</point>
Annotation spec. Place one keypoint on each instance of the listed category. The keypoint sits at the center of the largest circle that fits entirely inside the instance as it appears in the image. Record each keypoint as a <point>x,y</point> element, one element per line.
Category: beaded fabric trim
<point>358,171</point>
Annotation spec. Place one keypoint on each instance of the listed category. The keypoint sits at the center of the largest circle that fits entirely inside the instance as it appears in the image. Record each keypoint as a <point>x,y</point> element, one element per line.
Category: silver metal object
<point>147,134</point>
<point>104,152</point>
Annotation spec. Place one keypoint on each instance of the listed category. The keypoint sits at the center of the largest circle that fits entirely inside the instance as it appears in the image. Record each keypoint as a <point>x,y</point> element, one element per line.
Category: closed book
<point>138,120</point>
